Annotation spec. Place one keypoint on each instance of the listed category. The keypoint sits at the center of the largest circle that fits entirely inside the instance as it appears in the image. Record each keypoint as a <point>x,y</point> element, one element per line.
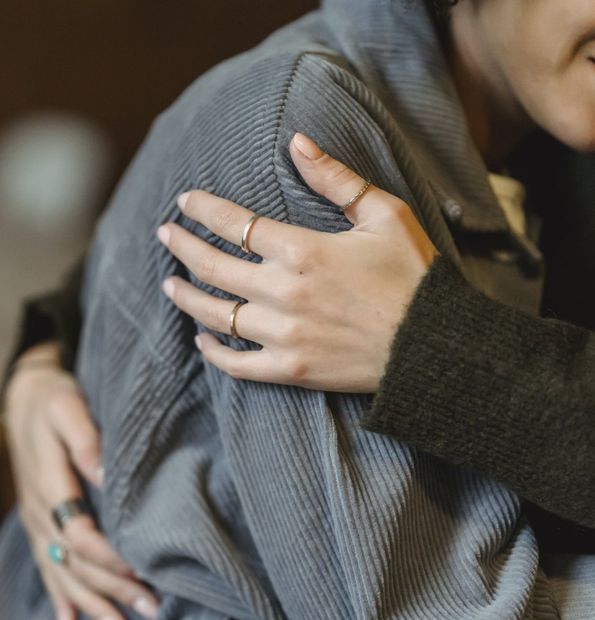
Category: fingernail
<point>64,615</point>
<point>163,234</point>
<point>100,475</point>
<point>145,607</point>
<point>168,287</point>
<point>198,342</point>
<point>183,199</point>
<point>307,147</point>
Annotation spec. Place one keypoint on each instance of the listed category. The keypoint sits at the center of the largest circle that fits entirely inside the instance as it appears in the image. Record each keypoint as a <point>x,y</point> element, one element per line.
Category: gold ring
<point>232,319</point>
<point>361,192</point>
<point>247,228</point>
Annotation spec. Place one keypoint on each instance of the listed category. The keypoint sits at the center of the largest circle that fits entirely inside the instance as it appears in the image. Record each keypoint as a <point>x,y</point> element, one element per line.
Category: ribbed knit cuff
<point>485,385</point>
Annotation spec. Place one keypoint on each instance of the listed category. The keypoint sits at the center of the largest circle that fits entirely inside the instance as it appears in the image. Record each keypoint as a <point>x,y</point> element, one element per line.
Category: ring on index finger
<point>66,510</point>
<point>362,191</point>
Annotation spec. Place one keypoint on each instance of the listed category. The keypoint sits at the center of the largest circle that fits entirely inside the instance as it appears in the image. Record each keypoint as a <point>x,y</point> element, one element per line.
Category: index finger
<point>268,237</point>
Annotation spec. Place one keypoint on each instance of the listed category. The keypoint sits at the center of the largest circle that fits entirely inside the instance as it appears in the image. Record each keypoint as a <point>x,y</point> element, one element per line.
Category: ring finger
<point>99,581</point>
<point>70,587</point>
<point>252,322</point>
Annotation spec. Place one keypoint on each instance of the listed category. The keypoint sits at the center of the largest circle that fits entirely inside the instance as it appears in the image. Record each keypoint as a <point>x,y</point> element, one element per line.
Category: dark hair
<point>441,7</point>
<point>440,10</point>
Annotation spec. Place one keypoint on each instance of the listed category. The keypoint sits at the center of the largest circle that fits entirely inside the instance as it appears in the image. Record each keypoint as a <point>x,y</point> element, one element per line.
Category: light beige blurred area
<point>54,168</point>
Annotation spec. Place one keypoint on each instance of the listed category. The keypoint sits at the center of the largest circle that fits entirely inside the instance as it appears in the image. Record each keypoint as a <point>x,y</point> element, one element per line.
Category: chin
<point>578,135</point>
<point>584,143</point>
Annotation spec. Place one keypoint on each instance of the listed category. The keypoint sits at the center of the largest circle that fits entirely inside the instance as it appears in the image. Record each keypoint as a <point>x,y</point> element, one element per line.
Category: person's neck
<point>497,121</point>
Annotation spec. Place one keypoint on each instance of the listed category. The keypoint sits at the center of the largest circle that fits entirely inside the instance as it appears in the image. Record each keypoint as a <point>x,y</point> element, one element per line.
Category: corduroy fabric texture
<point>239,499</point>
<point>430,396</point>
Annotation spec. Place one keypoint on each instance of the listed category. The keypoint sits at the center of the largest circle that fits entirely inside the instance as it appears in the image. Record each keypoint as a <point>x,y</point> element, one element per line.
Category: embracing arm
<point>485,385</point>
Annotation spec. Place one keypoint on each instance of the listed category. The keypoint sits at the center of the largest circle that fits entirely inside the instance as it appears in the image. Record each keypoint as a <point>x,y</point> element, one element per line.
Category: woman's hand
<point>325,306</point>
<point>50,432</point>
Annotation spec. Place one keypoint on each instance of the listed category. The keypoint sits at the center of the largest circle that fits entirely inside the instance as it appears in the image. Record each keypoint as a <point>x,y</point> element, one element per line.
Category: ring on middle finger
<point>66,510</point>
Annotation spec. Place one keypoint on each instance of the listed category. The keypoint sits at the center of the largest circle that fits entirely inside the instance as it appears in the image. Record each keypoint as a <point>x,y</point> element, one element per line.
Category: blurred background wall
<point>80,83</point>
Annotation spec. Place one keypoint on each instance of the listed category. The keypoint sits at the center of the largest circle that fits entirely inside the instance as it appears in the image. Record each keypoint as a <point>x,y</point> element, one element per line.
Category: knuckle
<point>85,448</point>
<point>291,332</point>
<point>222,218</point>
<point>234,370</point>
<point>301,256</point>
<point>292,294</point>
<point>124,592</point>
<point>398,210</point>
<point>338,173</point>
<point>296,368</point>
<point>212,317</point>
<point>206,266</point>
<point>85,440</point>
<point>59,401</point>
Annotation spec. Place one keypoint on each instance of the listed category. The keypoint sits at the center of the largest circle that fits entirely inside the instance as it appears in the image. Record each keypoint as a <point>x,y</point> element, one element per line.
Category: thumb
<point>335,181</point>
<point>72,423</point>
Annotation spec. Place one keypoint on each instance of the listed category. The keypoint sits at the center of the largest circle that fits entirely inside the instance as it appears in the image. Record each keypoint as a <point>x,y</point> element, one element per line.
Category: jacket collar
<point>394,47</point>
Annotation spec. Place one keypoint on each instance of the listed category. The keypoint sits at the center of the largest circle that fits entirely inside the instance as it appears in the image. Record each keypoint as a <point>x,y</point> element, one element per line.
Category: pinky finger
<point>63,609</point>
<point>251,365</point>
<point>86,600</point>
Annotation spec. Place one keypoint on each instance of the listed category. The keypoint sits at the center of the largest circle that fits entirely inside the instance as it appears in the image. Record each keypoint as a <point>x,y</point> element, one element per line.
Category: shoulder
<point>230,130</point>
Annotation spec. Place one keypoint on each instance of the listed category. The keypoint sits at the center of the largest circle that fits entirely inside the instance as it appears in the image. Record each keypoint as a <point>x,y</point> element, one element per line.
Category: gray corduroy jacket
<point>227,514</point>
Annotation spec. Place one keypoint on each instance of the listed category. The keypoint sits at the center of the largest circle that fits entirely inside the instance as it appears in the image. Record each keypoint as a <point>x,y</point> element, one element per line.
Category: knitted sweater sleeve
<point>487,386</point>
<point>52,315</point>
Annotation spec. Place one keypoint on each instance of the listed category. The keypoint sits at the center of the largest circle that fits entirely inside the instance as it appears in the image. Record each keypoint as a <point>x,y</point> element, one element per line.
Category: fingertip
<point>307,147</point>
<point>183,200</point>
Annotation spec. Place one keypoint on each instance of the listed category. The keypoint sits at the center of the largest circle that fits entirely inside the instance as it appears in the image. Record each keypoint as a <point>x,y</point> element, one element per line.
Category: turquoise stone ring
<point>58,553</point>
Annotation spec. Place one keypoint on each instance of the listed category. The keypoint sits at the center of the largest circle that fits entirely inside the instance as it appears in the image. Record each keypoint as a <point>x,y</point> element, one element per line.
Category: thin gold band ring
<point>246,233</point>
<point>361,192</point>
<point>232,319</point>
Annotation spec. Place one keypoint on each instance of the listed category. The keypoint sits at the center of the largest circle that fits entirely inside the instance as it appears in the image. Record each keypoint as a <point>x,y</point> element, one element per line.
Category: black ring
<point>73,507</point>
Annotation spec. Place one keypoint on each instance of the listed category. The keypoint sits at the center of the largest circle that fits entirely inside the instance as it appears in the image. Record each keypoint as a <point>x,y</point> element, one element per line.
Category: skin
<point>315,295</point>
<point>517,64</point>
<point>51,436</point>
<point>522,64</point>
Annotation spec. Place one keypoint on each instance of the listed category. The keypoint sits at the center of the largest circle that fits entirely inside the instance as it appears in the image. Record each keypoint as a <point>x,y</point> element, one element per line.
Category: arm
<point>484,385</point>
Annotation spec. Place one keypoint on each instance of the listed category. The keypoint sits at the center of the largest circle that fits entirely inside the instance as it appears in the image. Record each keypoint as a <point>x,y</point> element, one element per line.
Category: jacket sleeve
<point>53,315</point>
<point>490,387</point>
